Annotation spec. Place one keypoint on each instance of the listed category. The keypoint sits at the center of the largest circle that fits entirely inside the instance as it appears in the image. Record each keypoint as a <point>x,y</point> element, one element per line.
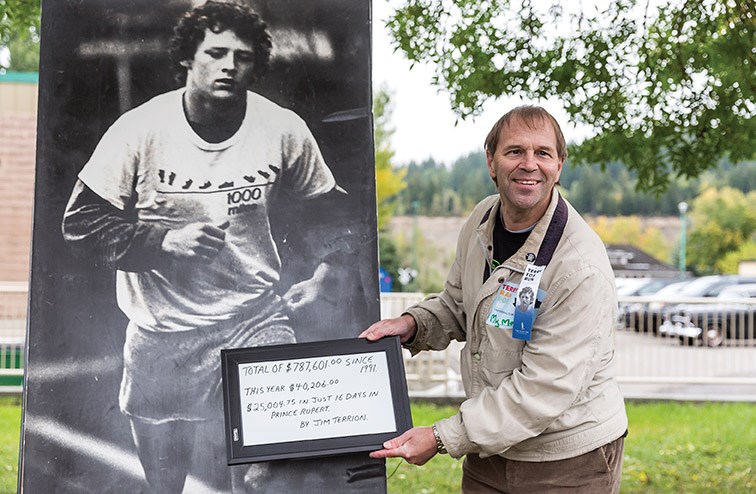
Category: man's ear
<point>491,167</point>
<point>187,64</point>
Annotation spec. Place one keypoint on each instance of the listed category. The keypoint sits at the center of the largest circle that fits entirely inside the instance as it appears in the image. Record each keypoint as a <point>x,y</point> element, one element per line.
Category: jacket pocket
<point>496,365</point>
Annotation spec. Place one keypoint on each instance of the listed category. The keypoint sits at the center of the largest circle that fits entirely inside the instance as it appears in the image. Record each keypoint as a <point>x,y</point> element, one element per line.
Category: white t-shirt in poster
<point>152,162</point>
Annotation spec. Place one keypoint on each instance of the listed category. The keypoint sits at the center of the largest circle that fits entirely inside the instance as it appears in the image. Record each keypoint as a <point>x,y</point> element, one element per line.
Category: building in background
<point>631,262</point>
<point>18,133</point>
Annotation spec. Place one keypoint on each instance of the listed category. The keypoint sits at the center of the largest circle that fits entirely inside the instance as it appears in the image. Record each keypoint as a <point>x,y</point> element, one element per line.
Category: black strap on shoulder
<point>553,234</point>
<point>550,238</point>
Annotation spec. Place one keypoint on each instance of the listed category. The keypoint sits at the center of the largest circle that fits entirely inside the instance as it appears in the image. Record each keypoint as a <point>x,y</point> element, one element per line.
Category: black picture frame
<point>271,360</point>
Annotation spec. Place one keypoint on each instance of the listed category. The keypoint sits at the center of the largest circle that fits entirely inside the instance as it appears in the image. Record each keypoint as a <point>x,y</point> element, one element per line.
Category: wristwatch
<point>440,449</point>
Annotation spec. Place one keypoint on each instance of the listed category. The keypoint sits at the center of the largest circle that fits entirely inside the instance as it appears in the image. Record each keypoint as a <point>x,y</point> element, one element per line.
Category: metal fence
<point>690,349</point>
<point>13,302</point>
<point>671,349</point>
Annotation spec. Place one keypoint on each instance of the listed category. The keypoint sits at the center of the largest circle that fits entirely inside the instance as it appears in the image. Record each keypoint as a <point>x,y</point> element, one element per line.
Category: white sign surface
<point>315,398</point>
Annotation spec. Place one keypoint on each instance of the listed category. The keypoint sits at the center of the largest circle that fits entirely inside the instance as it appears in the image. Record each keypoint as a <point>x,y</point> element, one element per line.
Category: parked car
<point>712,323</point>
<point>640,287</point>
<point>647,317</point>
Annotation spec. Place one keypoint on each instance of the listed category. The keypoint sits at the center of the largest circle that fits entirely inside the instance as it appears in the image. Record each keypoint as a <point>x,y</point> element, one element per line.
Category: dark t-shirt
<point>505,244</point>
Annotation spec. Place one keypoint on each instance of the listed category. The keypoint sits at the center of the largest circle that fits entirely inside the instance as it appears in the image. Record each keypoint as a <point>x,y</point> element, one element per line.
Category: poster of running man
<point>205,180</point>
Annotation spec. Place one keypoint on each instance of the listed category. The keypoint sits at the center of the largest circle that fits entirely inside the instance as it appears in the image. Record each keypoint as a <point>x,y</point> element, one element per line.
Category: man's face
<point>525,167</point>
<point>221,68</point>
<point>525,299</point>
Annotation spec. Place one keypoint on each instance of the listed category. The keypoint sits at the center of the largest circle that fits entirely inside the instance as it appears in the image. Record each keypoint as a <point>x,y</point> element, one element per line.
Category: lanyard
<point>525,298</point>
<point>550,238</point>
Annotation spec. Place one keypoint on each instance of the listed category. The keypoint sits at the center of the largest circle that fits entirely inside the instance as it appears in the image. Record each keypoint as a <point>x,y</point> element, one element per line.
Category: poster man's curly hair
<point>218,17</point>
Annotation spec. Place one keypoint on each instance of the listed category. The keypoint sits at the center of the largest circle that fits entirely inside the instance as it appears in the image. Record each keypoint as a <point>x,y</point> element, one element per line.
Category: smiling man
<point>543,411</point>
<point>177,197</point>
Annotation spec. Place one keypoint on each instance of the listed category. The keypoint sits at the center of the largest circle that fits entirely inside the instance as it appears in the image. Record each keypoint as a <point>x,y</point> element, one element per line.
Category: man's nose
<point>228,62</point>
<point>529,161</point>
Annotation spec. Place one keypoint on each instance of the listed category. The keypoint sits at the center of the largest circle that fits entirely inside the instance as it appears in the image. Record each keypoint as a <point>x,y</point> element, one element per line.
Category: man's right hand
<point>403,326</point>
<point>196,241</point>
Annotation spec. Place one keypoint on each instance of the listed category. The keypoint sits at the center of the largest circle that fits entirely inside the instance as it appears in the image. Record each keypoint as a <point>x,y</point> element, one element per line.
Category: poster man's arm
<point>97,229</point>
<point>305,292</point>
<point>334,254</point>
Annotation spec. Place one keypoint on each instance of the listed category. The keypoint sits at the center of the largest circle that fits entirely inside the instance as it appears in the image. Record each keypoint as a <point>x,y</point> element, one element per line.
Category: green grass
<point>691,448</point>
<point>10,425</point>
<point>672,448</point>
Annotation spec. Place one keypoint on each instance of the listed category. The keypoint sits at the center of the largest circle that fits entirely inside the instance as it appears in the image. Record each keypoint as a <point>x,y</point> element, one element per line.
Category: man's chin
<point>227,94</point>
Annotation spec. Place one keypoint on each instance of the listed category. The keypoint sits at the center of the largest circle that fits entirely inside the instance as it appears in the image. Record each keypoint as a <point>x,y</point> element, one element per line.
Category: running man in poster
<point>176,197</point>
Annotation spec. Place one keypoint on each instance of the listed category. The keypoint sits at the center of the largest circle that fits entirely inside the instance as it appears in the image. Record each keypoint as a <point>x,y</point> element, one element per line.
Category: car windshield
<point>654,286</point>
<point>672,290</point>
<point>738,291</point>
<point>699,287</point>
<point>630,286</point>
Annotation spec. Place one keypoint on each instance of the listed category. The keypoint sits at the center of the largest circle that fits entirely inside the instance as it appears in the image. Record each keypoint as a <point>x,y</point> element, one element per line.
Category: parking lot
<point>649,366</point>
<point>653,367</point>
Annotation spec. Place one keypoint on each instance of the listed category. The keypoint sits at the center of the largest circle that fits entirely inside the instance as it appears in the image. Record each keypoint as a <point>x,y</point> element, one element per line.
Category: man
<point>177,196</point>
<point>543,412</point>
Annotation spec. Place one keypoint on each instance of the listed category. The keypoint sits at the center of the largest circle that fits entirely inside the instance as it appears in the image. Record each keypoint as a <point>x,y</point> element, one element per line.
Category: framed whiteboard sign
<point>313,399</point>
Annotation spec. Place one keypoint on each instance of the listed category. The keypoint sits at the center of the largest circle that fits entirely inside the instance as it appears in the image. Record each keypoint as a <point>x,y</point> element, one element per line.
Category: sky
<point>424,124</point>
<point>422,118</point>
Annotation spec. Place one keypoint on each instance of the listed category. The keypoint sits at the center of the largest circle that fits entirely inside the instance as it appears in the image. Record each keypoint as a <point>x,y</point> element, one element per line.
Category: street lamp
<point>415,205</point>
<point>683,208</point>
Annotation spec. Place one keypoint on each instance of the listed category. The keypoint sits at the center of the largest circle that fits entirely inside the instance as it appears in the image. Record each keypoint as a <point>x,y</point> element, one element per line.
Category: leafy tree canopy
<point>669,90</point>
<point>723,222</point>
<point>18,16</point>
<point>630,230</point>
<point>389,180</point>
<point>19,31</point>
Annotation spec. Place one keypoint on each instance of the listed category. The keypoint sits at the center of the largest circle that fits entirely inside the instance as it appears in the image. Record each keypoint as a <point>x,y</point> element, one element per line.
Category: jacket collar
<point>530,249</point>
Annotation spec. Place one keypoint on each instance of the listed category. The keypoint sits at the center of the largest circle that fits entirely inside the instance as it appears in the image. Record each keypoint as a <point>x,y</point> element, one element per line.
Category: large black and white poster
<point>205,180</point>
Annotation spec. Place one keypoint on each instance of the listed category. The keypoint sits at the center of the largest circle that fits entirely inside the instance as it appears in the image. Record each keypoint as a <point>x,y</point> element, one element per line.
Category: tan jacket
<point>549,398</point>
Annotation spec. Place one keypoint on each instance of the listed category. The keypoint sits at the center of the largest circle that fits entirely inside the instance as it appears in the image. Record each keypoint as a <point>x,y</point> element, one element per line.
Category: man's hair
<point>218,17</point>
<point>533,117</point>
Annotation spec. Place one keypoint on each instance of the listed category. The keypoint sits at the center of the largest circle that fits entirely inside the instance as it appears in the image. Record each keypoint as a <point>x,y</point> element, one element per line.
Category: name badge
<point>501,315</point>
<point>524,311</point>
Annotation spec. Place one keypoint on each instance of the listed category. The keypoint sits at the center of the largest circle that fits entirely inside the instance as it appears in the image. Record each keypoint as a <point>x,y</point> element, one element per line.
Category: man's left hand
<point>417,446</point>
<point>306,292</point>
<point>301,294</point>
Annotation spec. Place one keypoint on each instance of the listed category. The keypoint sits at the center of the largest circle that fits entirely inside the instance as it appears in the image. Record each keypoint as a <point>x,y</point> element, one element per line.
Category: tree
<point>19,32</point>
<point>614,192</point>
<point>18,16</point>
<point>24,52</point>
<point>741,177</point>
<point>629,230</point>
<point>413,247</point>
<point>389,181</point>
<point>723,221</point>
<point>425,183</point>
<point>669,91</point>
<point>470,180</point>
<point>730,263</point>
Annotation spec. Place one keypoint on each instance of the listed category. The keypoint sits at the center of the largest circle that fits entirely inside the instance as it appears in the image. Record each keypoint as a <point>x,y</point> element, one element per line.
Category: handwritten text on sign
<point>315,398</point>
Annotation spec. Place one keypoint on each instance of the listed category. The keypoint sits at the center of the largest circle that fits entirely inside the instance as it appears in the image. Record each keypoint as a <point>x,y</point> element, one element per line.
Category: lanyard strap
<point>553,234</point>
<point>550,239</point>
